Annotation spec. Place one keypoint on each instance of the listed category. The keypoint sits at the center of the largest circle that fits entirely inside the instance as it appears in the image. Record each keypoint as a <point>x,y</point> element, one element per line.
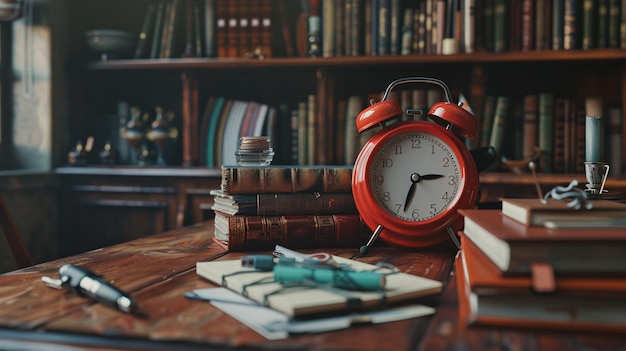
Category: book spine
<point>250,233</point>
<point>528,27</point>
<point>589,25</point>
<point>499,22</point>
<point>530,124</point>
<point>340,31</point>
<point>469,23</point>
<point>384,20</point>
<point>232,38</point>
<point>487,122</point>
<point>558,161</point>
<point>266,27</point>
<point>244,44</point>
<point>328,28</point>
<point>614,18</point>
<point>142,41</point>
<point>209,28</point>
<point>305,203</point>
<point>221,31</point>
<point>571,29</point>
<point>558,18</point>
<point>546,127</point>
<point>622,25</point>
<point>499,123</point>
<point>255,180</point>
<point>603,24</point>
<point>156,33</point>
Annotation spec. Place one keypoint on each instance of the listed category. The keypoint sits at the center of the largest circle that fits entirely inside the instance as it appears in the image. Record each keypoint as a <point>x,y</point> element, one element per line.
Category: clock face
<point>415,176</point>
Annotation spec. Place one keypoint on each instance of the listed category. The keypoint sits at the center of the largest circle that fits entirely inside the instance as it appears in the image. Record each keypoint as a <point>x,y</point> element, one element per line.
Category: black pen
<point>86,283</point>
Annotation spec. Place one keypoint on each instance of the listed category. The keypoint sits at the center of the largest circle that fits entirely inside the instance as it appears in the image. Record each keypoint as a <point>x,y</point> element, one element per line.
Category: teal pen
<point>345,279</point>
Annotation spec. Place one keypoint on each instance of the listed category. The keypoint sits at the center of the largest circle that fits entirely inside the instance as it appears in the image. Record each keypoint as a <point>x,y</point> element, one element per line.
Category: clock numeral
<point>398,149</point>
<point>433,209</point>
<point>399,207</point>
<point>445,196</point>
<point>446,162</point>
<point>386,196</point>
<point>452,180</point>
<point>415,143</point>
<point>415,214</point>
<point>380,180</point>
<point>387,163</point>
<point>432,149</point>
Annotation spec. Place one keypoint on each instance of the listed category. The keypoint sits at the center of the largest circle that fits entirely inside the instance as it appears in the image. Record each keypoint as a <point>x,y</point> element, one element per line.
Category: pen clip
<point>55,283</point>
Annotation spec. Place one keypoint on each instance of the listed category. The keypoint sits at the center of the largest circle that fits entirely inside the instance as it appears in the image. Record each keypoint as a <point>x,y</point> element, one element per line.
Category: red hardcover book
<point>575,303</point>
<point>266,27</point>
<point>233,33</point>
<point>514,246</point>
<point>255,233</point>
<point>528,25</point>
<point>221,14</point>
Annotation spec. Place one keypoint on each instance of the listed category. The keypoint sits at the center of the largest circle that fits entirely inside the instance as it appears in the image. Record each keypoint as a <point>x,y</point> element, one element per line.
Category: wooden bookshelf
<point>186,83</point>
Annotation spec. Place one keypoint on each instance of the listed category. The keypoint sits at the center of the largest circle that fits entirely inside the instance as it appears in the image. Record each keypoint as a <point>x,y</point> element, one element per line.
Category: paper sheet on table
<point>274,325</point>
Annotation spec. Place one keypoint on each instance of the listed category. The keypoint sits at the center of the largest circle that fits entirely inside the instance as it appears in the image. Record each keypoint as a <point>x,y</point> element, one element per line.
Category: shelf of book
<point>289,77</point>
<point>235,63</point>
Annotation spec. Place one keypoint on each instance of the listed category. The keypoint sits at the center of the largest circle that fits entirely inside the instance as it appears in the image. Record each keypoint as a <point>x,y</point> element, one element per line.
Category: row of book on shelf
<point>543,265</point>
<point>395,27</point>
<point>206,28</point>
<point>518,127</point>
<point>299,134</point>
<point>331,28</point>
<point>550,128</point>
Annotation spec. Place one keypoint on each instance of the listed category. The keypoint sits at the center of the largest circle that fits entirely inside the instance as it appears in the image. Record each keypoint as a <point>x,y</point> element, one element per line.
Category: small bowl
<point>110,43</point>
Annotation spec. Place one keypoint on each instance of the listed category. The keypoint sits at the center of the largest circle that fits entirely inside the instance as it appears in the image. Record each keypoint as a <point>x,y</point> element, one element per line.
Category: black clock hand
<point>431,176</point>
<point>415,178</point>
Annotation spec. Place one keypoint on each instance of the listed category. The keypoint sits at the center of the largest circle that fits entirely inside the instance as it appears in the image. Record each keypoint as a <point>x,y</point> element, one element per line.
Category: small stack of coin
<point>254,151</point>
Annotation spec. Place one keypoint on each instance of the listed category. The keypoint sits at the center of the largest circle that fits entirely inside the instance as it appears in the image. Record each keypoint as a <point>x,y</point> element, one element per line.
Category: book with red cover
<point>577,303</point>
<point>513,246</point>
<point>254,233</point>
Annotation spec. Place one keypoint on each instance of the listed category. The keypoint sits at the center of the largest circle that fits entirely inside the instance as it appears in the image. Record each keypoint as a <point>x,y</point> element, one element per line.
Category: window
<point>25,90</point>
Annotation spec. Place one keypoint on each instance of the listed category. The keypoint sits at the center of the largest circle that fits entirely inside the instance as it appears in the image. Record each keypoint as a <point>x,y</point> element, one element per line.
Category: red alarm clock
<point>412,176</point>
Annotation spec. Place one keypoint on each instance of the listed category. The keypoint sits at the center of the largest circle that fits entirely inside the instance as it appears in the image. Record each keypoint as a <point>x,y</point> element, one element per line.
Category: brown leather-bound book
<point>286,179</point>
<point>514,246</point>
<point>244,31</point>
<point>266,27</point>
<point>274,204</point>
<point>576,303</point>
<point>254,233</point>
<point>233,33</point>
<point>221,14</point>
<point>530,107</point>
<point>515,25</point>
<point>528,25</point>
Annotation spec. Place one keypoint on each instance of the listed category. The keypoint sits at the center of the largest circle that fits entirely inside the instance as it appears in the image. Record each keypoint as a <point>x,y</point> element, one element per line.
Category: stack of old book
<point>259,207</point>
<point>544,266</point>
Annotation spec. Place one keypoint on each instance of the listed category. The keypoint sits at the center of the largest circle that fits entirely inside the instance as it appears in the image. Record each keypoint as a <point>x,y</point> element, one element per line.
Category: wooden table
<point>157,270</point>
